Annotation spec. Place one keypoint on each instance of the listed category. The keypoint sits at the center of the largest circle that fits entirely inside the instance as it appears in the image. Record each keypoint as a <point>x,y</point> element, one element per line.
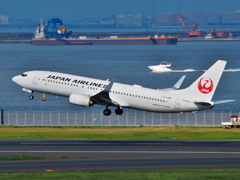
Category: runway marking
<point>150,152</point>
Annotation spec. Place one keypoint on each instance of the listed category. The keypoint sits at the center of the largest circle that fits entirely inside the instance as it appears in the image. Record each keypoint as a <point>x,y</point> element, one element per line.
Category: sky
<point>87,9</point>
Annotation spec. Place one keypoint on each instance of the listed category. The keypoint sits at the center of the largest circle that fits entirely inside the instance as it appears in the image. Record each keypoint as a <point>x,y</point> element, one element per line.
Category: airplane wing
<point>175,86</point>
<point>103,98</point>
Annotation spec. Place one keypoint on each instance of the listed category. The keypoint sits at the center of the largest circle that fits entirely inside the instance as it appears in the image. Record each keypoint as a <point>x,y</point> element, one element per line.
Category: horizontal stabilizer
<point>204,103</point>
<point>212,102</point>
<point>222,101</point>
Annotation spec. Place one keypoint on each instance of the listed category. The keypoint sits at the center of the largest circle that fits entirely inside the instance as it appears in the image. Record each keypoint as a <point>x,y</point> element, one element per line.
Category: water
<point>125,64</point>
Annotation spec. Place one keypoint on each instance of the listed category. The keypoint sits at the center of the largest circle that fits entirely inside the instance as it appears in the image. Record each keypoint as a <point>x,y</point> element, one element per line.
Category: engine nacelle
<point>80,100</point>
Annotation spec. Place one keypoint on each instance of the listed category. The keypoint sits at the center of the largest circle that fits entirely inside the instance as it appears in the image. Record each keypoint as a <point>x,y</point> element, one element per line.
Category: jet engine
<point>80,100</point>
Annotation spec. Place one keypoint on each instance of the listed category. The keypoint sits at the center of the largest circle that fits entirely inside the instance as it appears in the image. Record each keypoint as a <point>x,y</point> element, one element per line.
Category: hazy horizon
<point>72,9</point>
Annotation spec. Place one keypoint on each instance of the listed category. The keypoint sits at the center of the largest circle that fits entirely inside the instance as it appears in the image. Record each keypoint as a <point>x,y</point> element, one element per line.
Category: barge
<point>55,33</point>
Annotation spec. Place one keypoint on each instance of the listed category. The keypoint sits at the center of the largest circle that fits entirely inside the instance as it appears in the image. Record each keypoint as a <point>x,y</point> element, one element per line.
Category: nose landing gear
<point>31,97</point>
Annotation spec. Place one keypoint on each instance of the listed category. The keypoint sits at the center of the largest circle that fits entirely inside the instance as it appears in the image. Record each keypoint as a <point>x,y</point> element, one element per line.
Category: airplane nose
<point>15,79</point>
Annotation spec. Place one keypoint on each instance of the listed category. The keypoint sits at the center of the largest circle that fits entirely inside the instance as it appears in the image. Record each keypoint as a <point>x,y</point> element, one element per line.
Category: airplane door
<point>35,78</point>
<point>177,103</point>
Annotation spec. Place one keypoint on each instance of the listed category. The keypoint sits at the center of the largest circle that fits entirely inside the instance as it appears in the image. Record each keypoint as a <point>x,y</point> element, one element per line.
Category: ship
<point>55,33</point>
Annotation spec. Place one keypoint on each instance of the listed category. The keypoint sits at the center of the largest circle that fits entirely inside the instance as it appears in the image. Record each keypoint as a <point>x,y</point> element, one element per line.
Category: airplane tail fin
<point>204,87</point>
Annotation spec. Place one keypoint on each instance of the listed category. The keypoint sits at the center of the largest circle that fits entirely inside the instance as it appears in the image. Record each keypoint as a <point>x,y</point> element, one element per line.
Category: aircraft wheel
<point>31,97</point>
<point>107,112</point>
<point>119,111</point>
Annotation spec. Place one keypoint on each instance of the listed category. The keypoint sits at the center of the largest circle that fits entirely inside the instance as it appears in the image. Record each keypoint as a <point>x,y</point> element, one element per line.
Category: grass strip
<point>19,158</point>
<point>120,133</point>
<point>15,158</point>
<point>181,174</point>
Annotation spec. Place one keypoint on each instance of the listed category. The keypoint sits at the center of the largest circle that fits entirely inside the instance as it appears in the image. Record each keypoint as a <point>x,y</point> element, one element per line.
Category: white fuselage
<point>126,96</point>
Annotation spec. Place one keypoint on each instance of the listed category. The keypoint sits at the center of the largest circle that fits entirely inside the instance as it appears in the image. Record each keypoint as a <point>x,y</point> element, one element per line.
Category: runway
<point>114,155</point>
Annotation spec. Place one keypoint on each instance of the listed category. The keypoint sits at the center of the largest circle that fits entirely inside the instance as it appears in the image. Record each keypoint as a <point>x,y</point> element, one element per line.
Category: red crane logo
<point>205,85</point>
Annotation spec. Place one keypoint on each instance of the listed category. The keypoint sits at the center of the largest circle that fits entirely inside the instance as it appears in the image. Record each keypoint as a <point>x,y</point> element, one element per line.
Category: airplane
<point>84,91</point>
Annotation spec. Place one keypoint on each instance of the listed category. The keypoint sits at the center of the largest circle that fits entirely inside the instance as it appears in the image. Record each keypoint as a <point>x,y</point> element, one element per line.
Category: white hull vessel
<point>162,67</point>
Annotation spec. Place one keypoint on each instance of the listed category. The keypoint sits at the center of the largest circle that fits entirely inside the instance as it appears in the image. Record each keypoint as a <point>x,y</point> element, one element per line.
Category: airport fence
<point>129,118</point>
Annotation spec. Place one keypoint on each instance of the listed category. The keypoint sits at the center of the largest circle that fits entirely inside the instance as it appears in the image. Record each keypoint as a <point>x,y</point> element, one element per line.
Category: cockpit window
<point>24,75</point>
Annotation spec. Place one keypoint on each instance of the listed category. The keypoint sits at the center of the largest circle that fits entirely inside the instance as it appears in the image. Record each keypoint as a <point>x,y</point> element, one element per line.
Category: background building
<point>231,18</point>
<point>129,20</point>
<point>202,18</point>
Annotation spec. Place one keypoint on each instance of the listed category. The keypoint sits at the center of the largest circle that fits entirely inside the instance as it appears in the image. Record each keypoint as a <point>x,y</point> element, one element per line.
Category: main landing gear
<point>119,111</point>
<point>108,112</point>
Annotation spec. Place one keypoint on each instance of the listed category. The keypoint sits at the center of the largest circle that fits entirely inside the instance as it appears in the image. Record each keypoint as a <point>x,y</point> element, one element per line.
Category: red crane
<point>194,32</point>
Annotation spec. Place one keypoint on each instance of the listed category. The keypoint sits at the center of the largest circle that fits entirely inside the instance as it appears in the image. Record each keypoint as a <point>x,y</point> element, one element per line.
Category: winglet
<point>179,83</point>
<point>175,86</point>
<point>108,87</point>
<point>103,96</point>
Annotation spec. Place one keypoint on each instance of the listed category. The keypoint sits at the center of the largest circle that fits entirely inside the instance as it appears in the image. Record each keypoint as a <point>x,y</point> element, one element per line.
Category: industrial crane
<point>194,32</point>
